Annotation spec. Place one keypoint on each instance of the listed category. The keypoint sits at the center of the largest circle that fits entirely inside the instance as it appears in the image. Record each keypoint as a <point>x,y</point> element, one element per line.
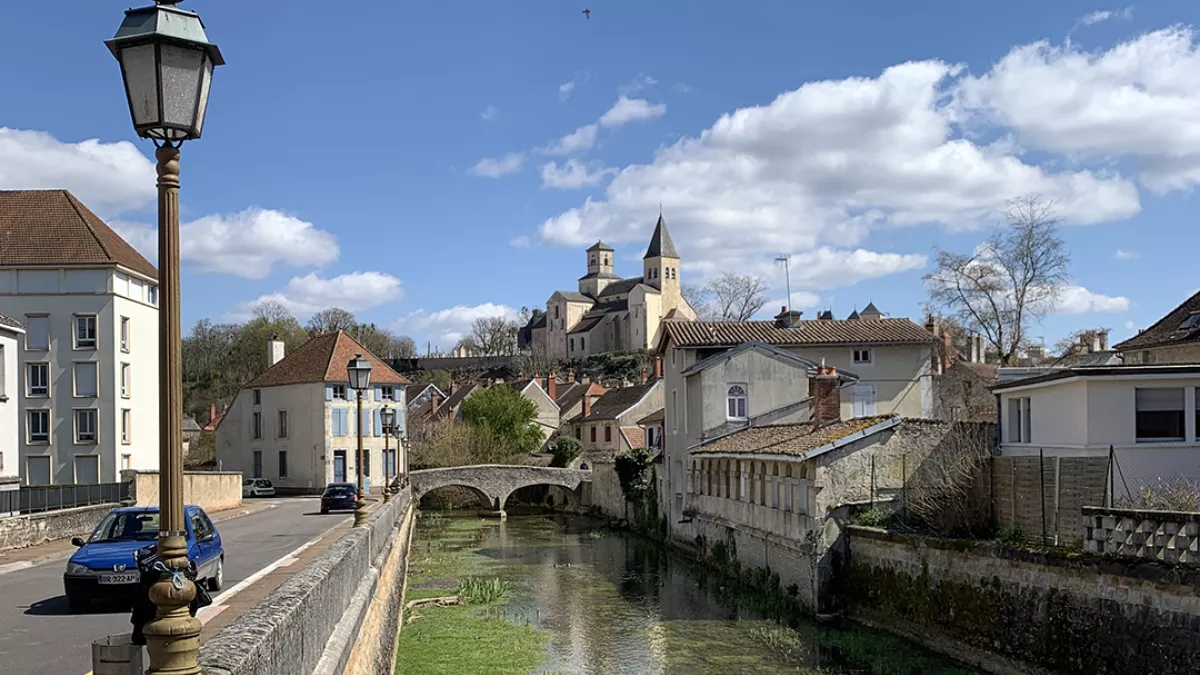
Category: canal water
<point>609,603</point>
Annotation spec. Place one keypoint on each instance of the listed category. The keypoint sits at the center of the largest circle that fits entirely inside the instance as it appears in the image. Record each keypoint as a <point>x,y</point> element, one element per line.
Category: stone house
<point>609,426</point>
<point>12,334</point>
<point>652,429</point>
<point>88,361</point>
<point>297,422</point>
<point>608,313</point>
<point>724,375</point>
<point>548,414</point>
<point>1175,338</point>
<point>437,409</point>
<point>570,397</point>
<point>423,395</point>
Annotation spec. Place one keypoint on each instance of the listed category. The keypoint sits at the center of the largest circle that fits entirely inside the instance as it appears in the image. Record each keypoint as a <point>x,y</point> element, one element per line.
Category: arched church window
<point>736,402</point>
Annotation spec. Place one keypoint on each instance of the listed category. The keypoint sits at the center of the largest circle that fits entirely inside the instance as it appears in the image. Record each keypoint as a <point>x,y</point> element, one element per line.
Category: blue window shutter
<point>329,392</point>
<point>352,415</point>
<point>378,422</point>
<point>342,428</point>
<point>378,393</point>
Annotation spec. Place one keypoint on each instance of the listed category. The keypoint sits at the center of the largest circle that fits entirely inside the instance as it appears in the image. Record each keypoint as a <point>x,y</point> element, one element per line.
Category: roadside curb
<point>63,555</point>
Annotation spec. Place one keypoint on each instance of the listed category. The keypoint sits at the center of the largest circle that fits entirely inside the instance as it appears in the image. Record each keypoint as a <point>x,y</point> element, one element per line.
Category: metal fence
<point>37,499</point>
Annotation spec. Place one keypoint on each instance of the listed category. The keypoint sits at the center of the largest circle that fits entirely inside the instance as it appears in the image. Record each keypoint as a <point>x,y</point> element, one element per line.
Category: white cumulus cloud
<point>1079,300</point>
<point>580,140</point>
<point>495,167</point>
<point>627,110</point>
<point>1122,254</point>
<point>308,294</point>
<point>573,174</point>
<point>445,327</point>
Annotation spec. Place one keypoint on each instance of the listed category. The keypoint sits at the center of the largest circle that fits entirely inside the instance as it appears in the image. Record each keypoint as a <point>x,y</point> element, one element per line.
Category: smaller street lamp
<point>358,372</point>
<point>387,417</point>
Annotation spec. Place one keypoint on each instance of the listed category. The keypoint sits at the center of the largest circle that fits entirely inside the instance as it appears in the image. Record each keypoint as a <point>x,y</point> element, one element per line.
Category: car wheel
<point>218,578</point>
<point>77,605</point>
<point>324,510</point>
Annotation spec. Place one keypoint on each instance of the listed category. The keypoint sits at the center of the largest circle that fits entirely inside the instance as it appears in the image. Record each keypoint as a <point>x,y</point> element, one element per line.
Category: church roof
<point>661,245</point>
<point>586,324</point>
<point>572,296</point>
<point>622,286</point>
<point>600,246</point>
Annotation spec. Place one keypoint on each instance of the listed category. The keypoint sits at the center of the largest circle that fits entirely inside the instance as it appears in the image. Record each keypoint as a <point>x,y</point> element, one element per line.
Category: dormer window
<point>1192,321</point>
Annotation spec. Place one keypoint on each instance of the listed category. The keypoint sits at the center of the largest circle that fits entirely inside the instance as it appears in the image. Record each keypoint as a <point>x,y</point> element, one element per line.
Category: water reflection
<point>614,604</point>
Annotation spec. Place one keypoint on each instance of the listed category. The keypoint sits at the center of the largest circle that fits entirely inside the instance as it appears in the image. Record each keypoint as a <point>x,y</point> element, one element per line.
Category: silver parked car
<point>257,487</point>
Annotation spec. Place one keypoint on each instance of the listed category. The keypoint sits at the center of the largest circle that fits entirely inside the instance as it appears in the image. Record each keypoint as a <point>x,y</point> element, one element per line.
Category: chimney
<point>645,375</point>
<point>948,349</point>
<point>552,386</point>
<point>433,403</point>
<point>974,349</point>
<point>1095,342</point>
<point>587,403</point>
<point>1104,340</point>
<point>931,324</point>
<point>274,350</point>
<point>451,393</point>
<point>586,379</point>
<point>827,397</point>
<point>212,413</point>
<point>786,319</point>
<point>658,367</point>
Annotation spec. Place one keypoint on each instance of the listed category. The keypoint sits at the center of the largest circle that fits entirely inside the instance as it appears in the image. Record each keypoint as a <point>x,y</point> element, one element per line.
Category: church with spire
<point>609,313</point>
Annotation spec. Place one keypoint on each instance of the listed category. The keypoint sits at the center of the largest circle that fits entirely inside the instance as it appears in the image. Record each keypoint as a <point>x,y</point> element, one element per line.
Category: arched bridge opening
<point>497,482</point>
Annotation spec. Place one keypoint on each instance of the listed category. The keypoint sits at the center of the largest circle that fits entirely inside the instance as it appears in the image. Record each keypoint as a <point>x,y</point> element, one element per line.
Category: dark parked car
<point>105,568</point>
<point>338,496</point>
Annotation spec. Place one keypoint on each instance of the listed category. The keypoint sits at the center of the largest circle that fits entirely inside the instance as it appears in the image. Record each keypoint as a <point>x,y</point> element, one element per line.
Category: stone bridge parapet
<point>495,482</point>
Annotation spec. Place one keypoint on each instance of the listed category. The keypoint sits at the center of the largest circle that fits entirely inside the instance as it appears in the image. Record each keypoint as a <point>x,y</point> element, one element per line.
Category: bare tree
<point>1078,341</point>
<point>1010,280</point>
<point>402,347</point>
<point>696,297</point>
<point>536,362</point>
<point>330,320</point>
<point>492,336</point>
<point>946,493</point>
<point>271,311</point>
<point>736,297</point>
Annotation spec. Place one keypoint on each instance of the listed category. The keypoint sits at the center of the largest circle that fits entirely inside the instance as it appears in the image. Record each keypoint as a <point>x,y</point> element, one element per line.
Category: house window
<point>1192,321</point>
<point>556,311</point>
<point>37,333</point>
<point>152,295</point>
<point>593,428</point>
<point>37,426</point>
<point>258,397</point>
<point>1019,428</point>
<point>258,464</point>
<point>387,393</point>
<point>257,430</point>
<point>87,469</point>
<point>125,334</point>
<point>1159,414</point>
<point>283,463</point>
<point>862,356</point>
<point>339,392</point>
<point>283,427</point>
<point>125,380</point>
<point>582,344</point>
<point>85,425</point>
<point>674,409</point>
<point>578,433</point>
<point>37,471</point>
<point>37,379</point>
<point>607,434</point>
<point>85,331</point>
<point>1147,357</point>
<point>86,373</point>
<point>126,426</point>
<point>572,344</point>
<point>735,399</point>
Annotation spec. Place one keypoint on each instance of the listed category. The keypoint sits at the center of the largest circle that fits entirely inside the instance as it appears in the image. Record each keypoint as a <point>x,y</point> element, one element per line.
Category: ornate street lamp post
<point>167,64</point>
<point>359,373</point>
<point>387,418</point>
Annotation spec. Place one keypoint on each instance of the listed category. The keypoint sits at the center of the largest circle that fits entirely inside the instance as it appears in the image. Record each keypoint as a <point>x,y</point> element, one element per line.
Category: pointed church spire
<point>661,245</point>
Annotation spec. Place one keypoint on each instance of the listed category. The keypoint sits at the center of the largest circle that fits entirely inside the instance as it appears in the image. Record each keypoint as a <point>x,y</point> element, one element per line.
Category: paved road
<point>38,635</point>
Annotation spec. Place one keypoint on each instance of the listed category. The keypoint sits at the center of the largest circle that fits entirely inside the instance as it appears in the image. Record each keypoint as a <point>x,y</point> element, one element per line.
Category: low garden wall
<point>1169,536</point>
<point>1013,610</point>
<point>210,490</point>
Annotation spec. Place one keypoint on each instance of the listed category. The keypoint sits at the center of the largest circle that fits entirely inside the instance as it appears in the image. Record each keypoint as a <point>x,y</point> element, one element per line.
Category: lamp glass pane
<point>205,82</point>
<point>180,83</point>
<point>141,81</point>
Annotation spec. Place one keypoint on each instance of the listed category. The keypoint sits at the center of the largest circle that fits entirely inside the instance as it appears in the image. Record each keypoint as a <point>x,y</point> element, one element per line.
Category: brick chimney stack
<point>552,386</point>
<point>658,367</point>
<point>587,403</point>
<point>827,398</point>
<point>433,400</point>
<point>947,349</point>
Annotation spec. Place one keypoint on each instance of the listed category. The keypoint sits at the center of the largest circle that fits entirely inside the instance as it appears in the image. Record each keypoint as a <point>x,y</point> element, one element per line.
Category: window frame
<point>334,388</point>
<point>29,440</point>
<point>608,433</point>
<point>75,379</point>
<point>1019,427</point>
<point>125,333</point>
<point>49,471</point>
<point>126,426</point>
<point>387,392</point>
<point>256,427</point>
<point>29,318</point>
<point>282,468</point>
<point>76,426</point>
<point>152,294</point>
<point>256,459</point>
<point>592,434</point>
<point>857,354</point>
<point>1182,417</point>
<point>732,400</point>
<point>257,395</point>
<point>29,366</point>
<point>75,467</point>
<point>126,380</point>
<point>77,339</point>
<point>281,424</point>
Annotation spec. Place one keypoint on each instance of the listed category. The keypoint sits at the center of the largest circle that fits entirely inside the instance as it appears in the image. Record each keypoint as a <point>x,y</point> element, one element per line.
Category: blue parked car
<point>104,567</point>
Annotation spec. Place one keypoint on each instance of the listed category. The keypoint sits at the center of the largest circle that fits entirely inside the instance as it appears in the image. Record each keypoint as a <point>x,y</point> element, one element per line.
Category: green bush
<point>565,450</point>
<point>1011,535</point>
<point>506,415</point>
<point>876,517</point>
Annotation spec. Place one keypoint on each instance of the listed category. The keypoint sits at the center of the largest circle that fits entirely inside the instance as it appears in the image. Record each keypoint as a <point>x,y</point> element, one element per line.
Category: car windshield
<point>338,490</point>
<point>126,526</point>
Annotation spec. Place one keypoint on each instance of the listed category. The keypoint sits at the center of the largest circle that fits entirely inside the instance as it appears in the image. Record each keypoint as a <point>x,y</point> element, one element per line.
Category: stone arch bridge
<point>495,482</point>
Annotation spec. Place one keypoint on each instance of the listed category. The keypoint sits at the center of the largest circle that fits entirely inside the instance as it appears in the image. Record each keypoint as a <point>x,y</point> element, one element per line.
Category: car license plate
<point>120,578</point>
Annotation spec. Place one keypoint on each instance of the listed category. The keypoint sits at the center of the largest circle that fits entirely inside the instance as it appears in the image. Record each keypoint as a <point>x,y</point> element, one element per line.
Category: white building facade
<point>11,337</point>
<point>87,363</point>
<point>295,424</point>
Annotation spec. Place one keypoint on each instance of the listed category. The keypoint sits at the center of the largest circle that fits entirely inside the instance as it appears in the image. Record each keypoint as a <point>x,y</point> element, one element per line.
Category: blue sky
<point>425,163</point>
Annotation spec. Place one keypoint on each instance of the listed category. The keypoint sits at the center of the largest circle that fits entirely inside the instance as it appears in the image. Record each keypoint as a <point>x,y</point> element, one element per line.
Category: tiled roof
<point>455,399</point>
<point>586,323</point>
<point>660,242</point>
<point>657,417</point>
<point>617,401</point>
<point>1167,331</point>
<point>10,322</point>
<point>787,439</point>
<point>52,227</point>
<point>635,436</point>
<point>812,332</point>
<point>607,307</point>
<point>324,359</point>
<point>622,286</point>
<point>573,394</point>
<point>572,296</point>
<point>600,246</point>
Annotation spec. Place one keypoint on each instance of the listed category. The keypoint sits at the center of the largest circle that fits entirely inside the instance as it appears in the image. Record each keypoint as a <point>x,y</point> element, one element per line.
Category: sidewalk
<point>61,549</point>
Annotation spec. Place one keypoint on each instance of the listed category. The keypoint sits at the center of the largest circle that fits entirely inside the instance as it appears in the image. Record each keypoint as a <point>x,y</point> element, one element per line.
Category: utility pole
<point>787,273</point>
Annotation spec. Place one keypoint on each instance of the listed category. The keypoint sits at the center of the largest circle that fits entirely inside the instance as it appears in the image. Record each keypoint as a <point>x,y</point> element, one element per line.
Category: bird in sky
<point>587,14</point>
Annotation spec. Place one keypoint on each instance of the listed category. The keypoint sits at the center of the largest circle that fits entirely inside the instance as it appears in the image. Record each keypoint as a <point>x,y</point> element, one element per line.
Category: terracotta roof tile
<point>617,401</point>
<point>52,227</point>
<point>809,332</point>
<point>1167,330</point>
<point>787,439</point>
<point>635,436</point>
<point>324,359</point>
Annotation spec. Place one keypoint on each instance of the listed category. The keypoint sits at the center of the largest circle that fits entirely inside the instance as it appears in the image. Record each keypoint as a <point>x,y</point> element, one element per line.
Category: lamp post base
<point>387,494</point>
<point>173,637</point>
<point>360,510</point>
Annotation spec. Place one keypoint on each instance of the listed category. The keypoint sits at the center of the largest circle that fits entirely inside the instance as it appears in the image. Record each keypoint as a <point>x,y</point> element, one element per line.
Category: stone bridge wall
<point>497,481</point>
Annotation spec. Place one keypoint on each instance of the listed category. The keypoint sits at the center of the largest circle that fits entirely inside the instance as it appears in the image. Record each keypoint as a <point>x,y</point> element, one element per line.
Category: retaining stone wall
<point>1012,610</point>
<point>38,528</point>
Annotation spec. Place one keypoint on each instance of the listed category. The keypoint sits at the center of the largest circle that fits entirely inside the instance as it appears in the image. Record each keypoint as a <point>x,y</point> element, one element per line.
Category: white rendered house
<point>11,337</point>
<point>87,380</point>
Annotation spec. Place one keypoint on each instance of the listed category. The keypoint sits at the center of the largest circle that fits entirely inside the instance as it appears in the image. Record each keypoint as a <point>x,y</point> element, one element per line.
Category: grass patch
<point>457,641</point>
<point>481,591</point>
